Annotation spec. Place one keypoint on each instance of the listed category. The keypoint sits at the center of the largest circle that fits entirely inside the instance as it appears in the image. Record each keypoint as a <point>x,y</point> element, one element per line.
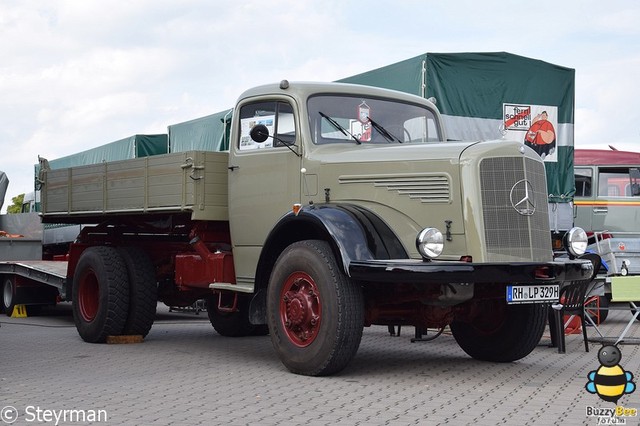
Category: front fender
<point>354,233</point>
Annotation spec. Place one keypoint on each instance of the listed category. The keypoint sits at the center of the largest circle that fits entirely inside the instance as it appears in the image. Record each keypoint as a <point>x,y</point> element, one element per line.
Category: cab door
<point>264,178</point>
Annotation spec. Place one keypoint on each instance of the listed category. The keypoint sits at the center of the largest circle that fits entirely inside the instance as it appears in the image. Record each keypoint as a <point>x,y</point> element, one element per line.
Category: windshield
<point>354,119</point>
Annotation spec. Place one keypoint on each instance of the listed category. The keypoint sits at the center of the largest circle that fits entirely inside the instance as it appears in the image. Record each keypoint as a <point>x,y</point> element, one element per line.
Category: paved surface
<point>186,374</point>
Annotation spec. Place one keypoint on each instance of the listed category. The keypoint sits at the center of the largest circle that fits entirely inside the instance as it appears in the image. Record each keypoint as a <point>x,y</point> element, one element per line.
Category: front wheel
<point>315,313</point>
<point>505,333</point>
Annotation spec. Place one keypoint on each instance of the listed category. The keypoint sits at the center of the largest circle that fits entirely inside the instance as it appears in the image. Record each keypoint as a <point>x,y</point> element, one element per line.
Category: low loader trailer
<point>26,277</point>
<point>336,207</point>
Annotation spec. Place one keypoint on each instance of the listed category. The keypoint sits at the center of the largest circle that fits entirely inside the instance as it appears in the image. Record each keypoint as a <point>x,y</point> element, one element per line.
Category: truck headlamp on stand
<point>576,241</point>
<point>430,243</point>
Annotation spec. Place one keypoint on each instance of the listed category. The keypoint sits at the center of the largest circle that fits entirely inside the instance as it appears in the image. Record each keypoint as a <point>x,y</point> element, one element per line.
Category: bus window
<point>583,182</point>
<point>613,181</point>
<point>634,182</point>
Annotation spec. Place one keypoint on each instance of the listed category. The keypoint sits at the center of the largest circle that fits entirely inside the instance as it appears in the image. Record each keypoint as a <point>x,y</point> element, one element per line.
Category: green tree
<point>16,207</point>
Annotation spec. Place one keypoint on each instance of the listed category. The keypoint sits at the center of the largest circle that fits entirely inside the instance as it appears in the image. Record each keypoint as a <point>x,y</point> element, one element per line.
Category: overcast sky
<point>75,74</point>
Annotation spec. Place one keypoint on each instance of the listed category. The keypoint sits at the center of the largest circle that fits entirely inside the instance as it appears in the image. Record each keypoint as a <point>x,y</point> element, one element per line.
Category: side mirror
<point>259,133</point>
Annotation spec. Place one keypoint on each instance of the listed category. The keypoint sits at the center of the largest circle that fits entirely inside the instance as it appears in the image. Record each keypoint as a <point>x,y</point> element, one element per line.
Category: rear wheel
<point>8,295</point>
<point>315,313</point>
<point>143,291</point>
<point>506,333</point>
<point>100,294</point>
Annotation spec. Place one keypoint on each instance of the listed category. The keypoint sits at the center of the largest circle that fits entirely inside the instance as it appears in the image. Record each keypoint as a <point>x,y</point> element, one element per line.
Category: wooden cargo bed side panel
<point>87,188</point>
<point>125,186</point>
<point>70,191</point>
<point>55,195</point>
<point>188,181</point>
<point>169,186</point>
<point>212,189</point>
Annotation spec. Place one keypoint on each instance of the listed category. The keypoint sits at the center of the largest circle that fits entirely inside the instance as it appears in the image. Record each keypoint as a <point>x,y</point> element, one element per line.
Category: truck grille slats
<point>509,234</point>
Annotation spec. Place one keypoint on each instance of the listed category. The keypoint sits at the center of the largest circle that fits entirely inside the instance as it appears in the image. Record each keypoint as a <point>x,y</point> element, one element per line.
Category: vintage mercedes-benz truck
<point>336,207</point>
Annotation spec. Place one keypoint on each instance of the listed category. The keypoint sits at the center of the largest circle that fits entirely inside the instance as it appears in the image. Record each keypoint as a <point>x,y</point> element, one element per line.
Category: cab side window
<point>277,116</point>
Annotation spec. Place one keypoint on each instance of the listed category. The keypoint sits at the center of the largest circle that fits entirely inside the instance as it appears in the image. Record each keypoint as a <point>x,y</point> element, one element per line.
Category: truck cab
<point>424,231</point>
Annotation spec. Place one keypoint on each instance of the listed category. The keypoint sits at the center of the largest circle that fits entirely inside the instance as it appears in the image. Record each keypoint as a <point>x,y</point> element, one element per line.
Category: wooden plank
<point>118,340</point>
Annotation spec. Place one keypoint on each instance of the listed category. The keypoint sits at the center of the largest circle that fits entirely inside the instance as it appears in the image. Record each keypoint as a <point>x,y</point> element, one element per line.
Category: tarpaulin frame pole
<point>423,79</point>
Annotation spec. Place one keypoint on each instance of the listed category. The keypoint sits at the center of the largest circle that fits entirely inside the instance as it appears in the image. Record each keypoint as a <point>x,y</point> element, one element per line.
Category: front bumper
<point>419,272</point>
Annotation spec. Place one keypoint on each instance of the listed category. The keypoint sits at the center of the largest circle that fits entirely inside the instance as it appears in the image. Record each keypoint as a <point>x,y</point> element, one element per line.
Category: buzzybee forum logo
<point>610,382</point>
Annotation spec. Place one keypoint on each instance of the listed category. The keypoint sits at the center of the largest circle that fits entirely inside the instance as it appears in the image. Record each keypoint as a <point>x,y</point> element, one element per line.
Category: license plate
<point>533,293</point>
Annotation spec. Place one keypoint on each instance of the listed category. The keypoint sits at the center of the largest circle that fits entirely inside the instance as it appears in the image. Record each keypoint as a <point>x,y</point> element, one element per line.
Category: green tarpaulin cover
<point>132,147</point>
<point>210,133</point>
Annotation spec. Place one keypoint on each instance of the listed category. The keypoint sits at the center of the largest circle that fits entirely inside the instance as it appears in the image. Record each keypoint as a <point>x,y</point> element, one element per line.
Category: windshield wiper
<point>338,127</point>
<point>388,136</point>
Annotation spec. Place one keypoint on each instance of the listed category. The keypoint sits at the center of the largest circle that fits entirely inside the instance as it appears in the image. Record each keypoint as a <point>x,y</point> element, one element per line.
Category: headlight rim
<point>575,236</point>
<point>425,241</point>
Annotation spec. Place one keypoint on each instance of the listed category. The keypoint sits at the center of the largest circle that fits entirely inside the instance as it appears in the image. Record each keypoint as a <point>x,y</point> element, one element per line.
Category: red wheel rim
<point>300,309</point>
<point>88,296</point>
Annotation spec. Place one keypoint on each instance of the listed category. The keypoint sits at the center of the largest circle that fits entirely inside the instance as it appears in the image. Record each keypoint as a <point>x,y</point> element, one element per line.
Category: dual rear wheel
<point>114,293</point>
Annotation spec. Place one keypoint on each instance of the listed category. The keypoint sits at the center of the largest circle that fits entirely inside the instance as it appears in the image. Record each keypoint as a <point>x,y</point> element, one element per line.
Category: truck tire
<point>143,291</point>
<point>508,336</point>
<point>100,294</point>
<point>8,295</point>
<point>314,312</point>
<point>231,324</point>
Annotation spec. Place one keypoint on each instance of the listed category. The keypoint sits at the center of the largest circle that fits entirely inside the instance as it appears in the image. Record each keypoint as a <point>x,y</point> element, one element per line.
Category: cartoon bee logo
<point>610,381</point>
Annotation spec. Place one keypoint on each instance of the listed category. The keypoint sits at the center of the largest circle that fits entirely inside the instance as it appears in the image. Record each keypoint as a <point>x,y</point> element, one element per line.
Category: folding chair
<point>572,299</point>
<point>624,289</point>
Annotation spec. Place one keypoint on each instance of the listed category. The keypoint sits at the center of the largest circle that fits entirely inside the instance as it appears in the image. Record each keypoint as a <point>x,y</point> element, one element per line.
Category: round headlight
<point>430,243</point>
<point>577,241</point>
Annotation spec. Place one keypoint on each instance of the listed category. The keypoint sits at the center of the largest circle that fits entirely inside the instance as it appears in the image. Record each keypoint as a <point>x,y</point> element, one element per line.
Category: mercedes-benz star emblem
<point>523,198</point>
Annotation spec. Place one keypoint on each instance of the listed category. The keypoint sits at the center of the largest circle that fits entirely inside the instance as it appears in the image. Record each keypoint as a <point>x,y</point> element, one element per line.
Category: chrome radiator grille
<point>509,184</point>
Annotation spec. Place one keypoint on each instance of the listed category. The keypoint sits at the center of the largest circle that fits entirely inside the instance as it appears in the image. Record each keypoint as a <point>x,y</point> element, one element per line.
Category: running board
<point>230,287</point>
